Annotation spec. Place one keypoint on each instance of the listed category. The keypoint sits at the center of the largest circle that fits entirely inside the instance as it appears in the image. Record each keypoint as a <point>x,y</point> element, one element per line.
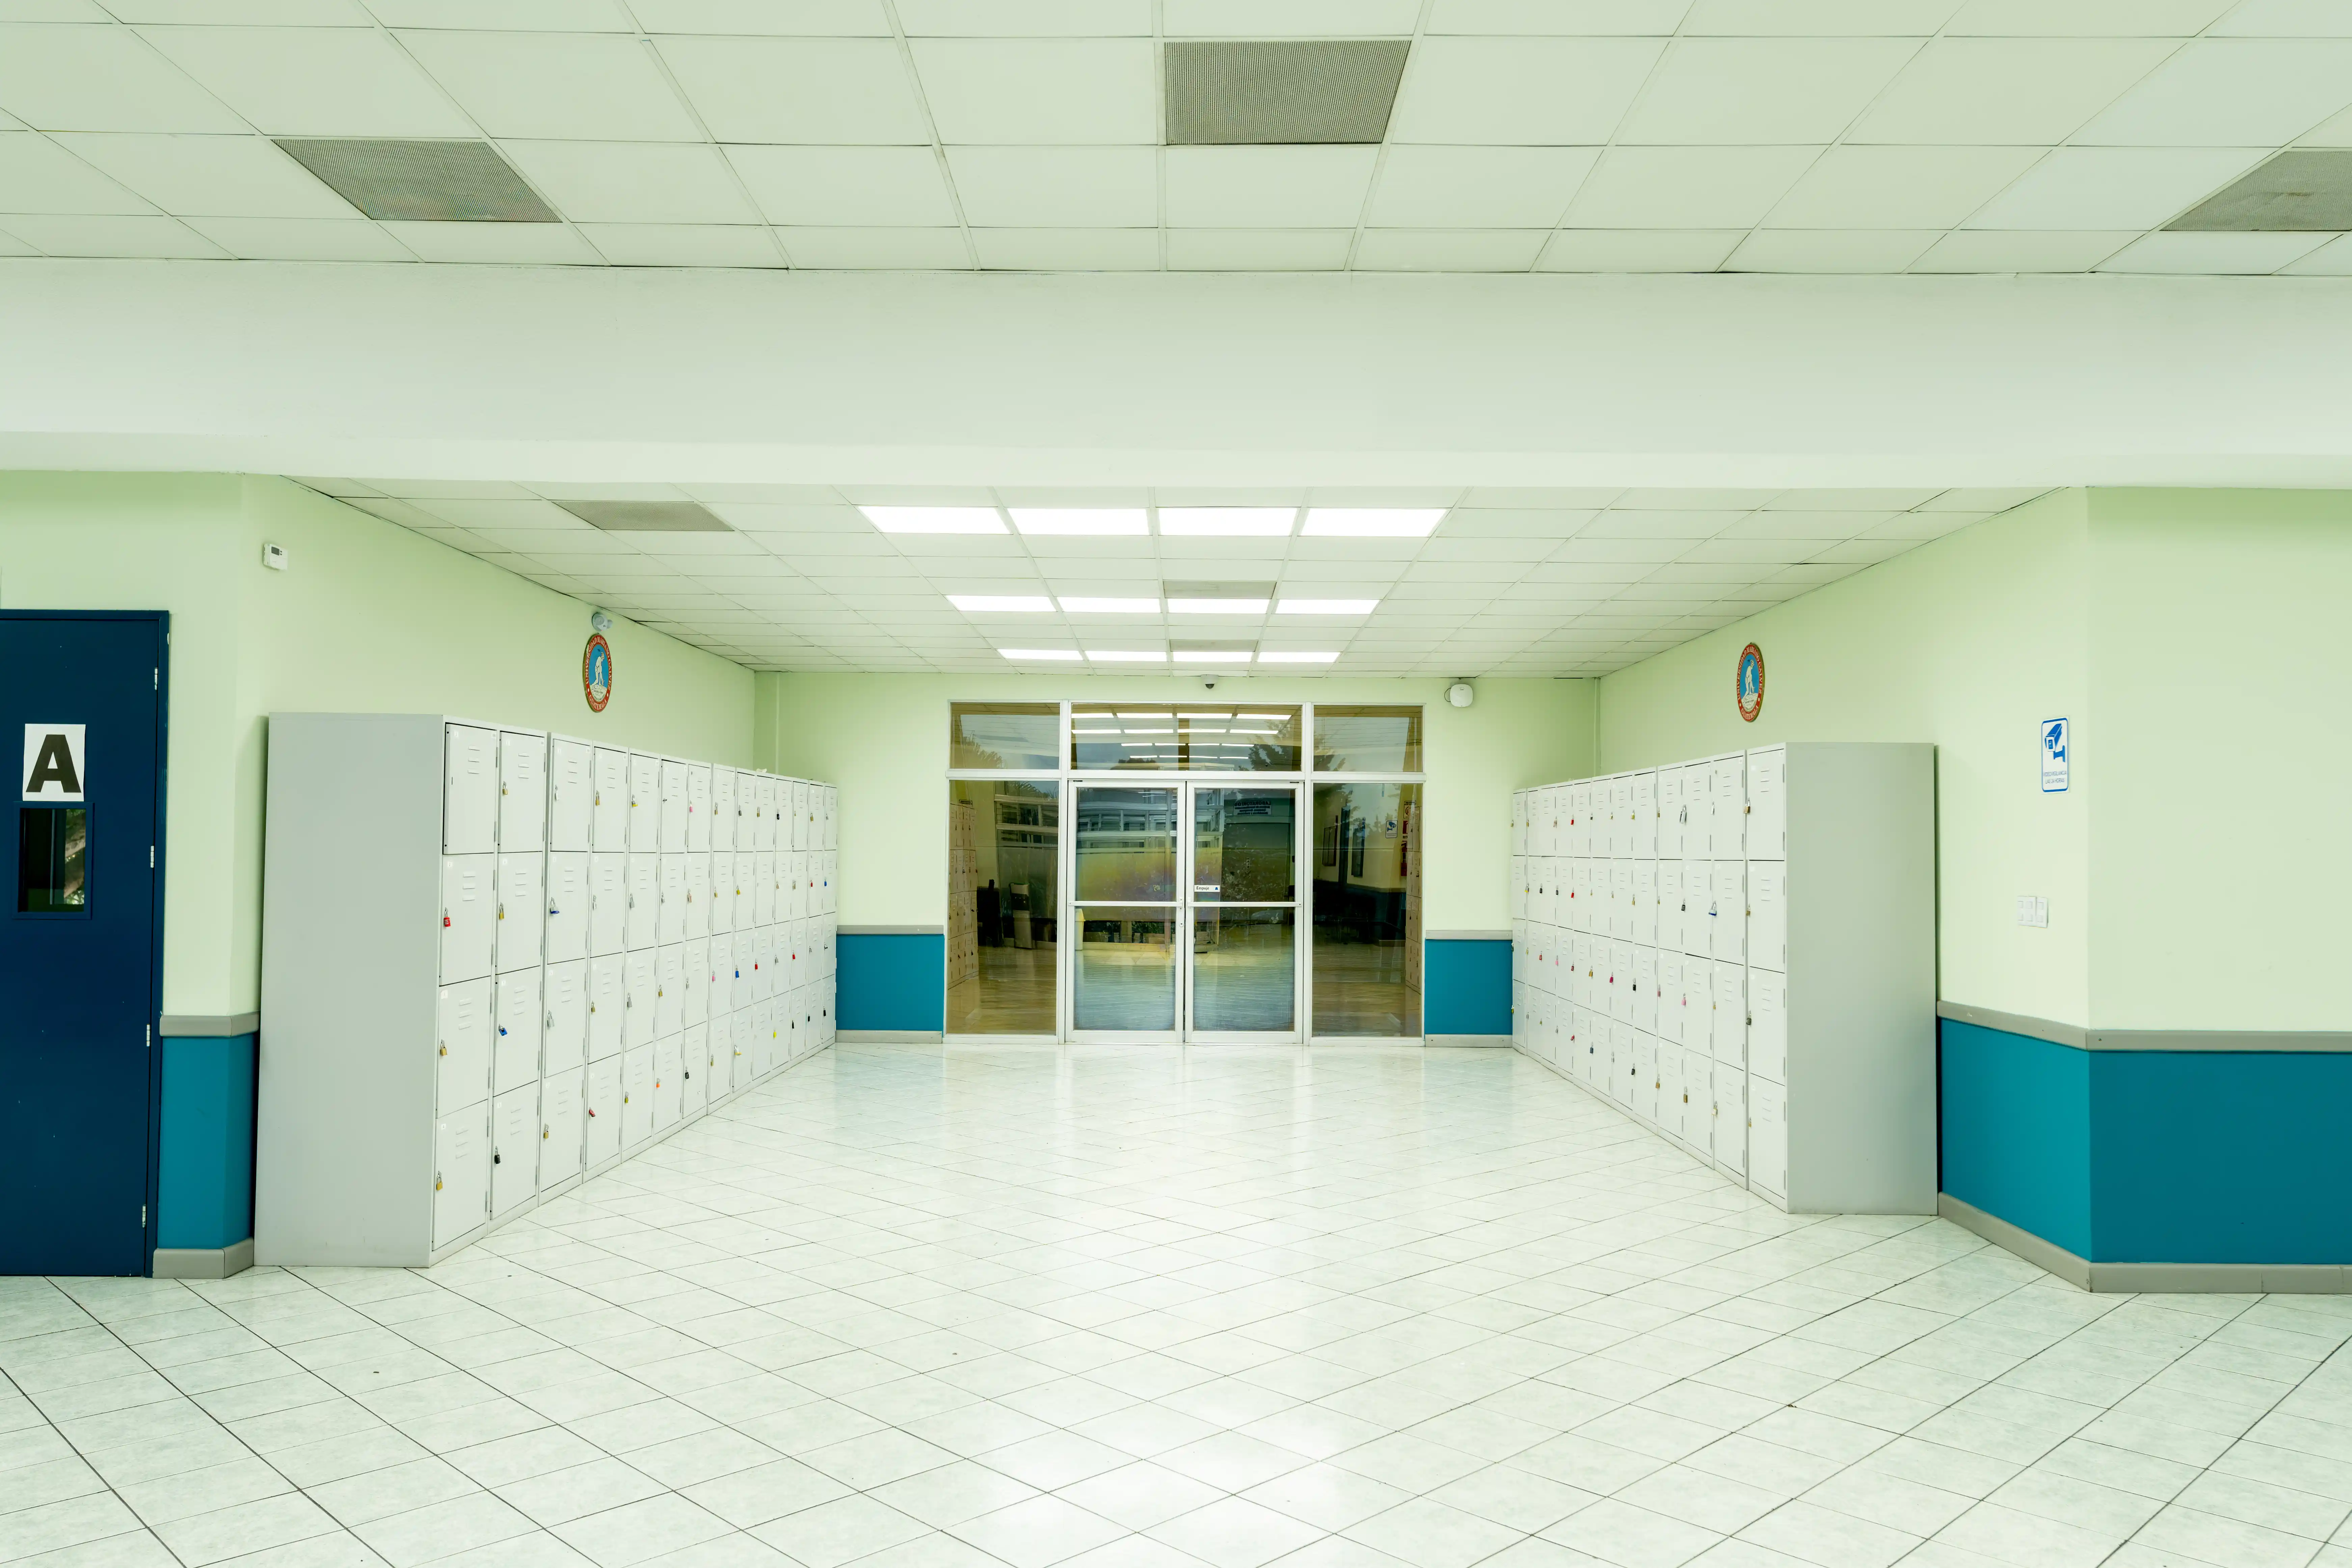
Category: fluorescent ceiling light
<point>1125,655</point>
<point>1040,653</point>
<point>1213,659</point>
<point>1150,731</point>
<point>1326,607</point>
<point>1269,717</point>
<point>1227,521</point>
<point>1078,519</point>
<point>1216,606</point>
<point>1081,605</point>
<point>1286,657</point>
<point>1372,522</point>
<point>985,602</point>
<point>934,519</point>
<point>1094,732</point>
<point>1163,714</point>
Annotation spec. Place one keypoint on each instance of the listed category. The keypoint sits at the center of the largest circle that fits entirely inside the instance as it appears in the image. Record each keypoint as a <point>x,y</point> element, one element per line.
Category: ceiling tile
<point>2091,18</point>
<point>1045,187</point>
<point>1449,250</point>
<point>1988,250</point>
<point>1289,187</point>
<point>2113,187</point>
<point>144,237</point>
<point>845,91</point>
<point>1638,249</point>
<point>634,181</point>
<point>1899,187</point>
<point>1467,187</point>
<point>791,18</point>
<point>1258,250</point>
<point>531,243</point>
<point>1090,91</point>
<point>852,249</point>
<point>2005,91</point>
<point>72,77</point>
<point>1288,18</point>
<point>37,176</point>
<point>1687,187</point>
<point>301,239</point>
<point>1027,18</point>
<point>1831,250</point>
<point>2231,92</point>
<point>1067,250</point>
<point>1747,91</point>
<point>315,81</point>
<point>1819,19</point>
<point>1519,91</point>
<point>2213,254</point>
<point>2332,259</point>
<point>1881,500</point>
<point>239,176</point>
<point>558,86</point>
<point>228,13</point>
<point>684,244</point>
<point>846,186</point>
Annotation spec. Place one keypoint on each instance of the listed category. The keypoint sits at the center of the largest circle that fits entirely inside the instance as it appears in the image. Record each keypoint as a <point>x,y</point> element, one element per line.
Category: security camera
<point>598,621</point>
<point>1210,682</point>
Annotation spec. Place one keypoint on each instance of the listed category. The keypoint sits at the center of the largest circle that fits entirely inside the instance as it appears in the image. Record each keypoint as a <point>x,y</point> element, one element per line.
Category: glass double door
<point>1185,903</point>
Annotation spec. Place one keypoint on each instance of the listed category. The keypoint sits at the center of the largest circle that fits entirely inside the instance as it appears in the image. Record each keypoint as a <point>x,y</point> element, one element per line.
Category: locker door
<point>641,924</point>
<point>828,929</point>
<point>1645,816</point>
<point>522,791</point>
<point>1670,906</point>
<point>1698,898</point>
<point>1670,996</point>
<point>697,808</point>
<point>795,970</point>
<point>468,915</point>
<point>743,969</point>
<point>669,989</point>
<point>740,1032</point>
<point>520,941</point>
<point>461,1069</point>
<point>673,787</point>
<point>637,987</point>
<point>1520,823</point>
<point>560,1115</point>
<point>764,1036</point>
<point>764,813</point>
<point>1670,814</point>
<point>1730,1119</point>
<point>1768,1025</point>
<point>1645,908</point>
<point>608,800</point>
<point>1730,818</point>
<point>517,1011</point>
<point>570,797</point>
<point>608,1005</point>
<point>566,1044</point>
<point>1768,803</point>
<point>1731,1014</point>
<point>567,905</point>
<point>1621,1065</point>
<point>608,902</point>
<point>461,1174</point>
<point>697,1009</point>
<point>694,1070</point>
<point>1573,902</point>
<point>722,976</point>
<point>1699,812</point>
<point>763,890</point>
<point>469,790</point>
<point>644,804</point>
<point>767,967</point>
<point>1768,1139</point>
<point>1645,1076</point>
<point>1518,887</point>
<point>636,1097</point>
<point>514,1149</point>
<point>831,817</point>
<point>669,1062</point>
<point>804,816</point>
<point>1697,1006</point>
<point>1768,914</point>
<point>600,1137</point>
<point>669,914</point>
<point>698,893</point>
<point>1729,937</point>
<point>720,879</point>
<point>1646,990</point>
<point>722,810</point>
<point>1620,898</point>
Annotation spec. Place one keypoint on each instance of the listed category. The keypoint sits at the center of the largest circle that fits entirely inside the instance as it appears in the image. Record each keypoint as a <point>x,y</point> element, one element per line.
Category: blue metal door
<point>81,959</point>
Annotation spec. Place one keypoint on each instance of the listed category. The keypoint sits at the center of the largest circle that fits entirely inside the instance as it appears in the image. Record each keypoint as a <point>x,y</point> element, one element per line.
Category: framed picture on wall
<point>1331,843</point>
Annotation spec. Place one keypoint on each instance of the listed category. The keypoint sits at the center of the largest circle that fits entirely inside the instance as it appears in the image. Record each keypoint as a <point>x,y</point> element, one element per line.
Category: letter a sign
<point>53,762</point>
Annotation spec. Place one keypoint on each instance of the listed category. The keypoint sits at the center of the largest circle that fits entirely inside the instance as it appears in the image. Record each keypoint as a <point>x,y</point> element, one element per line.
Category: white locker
<point>644,804</point>
<point>1698,1006</point>
<point>1731,1014</point>
<point>608,901</point>
<point>1768,914</point>
<point>773,802</point>
<point>722,974</point>
<point>672,785</point>
<point>745,973</point>
<point>1645,989</point>
<point>469,790</point>
<point>569,904</point>
<point>1728,913</point>
<point>1645,844</point>
<point>669,914</point>
<point>1698,898</point>
<point>522,791</point>
<point>697,808</point>
<point>608,1005</point>
<point>669,989</point>
<point>763,890</point>
<point>1698,811</point>
<point>1768,803</point>
<point>600,1139</point>
<point>461,1174</point>
<point>1727,782</point>
<point>1768,1025</point>
<point>1730,1119</point>
<point>516,1012</point>
<point>514,1149</point>
<point>1670,814</point>
<point>1620,898</point>
<point>694,1070</point>
<point>1768,1138</point>
<point>1520,824</point>
<point>1642,913</point>
<point>1645,1076</point>
<point>461,1073</point>
<point>570,796</point>
<point>1671,1011</point>
<point>745,1058</point>
<point>1671,905</point>
<point>565,1047</point>
<point>636,1097</point>
<point>468,915</point>
<point>560,1115</point>
<point>764,972</point>
<point>641,925</point>
<point>521,903</point>
<point>830,814</point>
<point>697,983</point>
<point>745,881</point>
<point>791,885</point>
<point>721,880</point>
<point>609,801</point>
<point>1518,887</point>
<point>764,1036</point>
<point>668,1065</point>
<point>637,986</point>
<point>698,893</point>
<point>1621,1065</point>
<point>1673,1094</point>
<point>724,811</point>
<point>797,807</point>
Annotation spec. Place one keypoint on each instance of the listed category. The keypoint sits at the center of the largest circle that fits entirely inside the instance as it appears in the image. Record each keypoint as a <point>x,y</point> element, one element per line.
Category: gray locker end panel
<point>343,1157</point>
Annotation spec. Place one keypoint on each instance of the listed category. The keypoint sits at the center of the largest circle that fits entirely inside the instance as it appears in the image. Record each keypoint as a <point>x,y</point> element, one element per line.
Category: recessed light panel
<point>987,604</point>
<point>1126,655</point>
<point>426,181</point>
<point>1071,519</point>
<point>1029,654</point>
<point>1372,522</point>
<point>1217,599</point>
<point>934,519</point>
<point>644,516</point>
<point>1227,521</point>
<point>2303,190</point>
<point>1281,92</point>
<point>1326,607</point>
<point>1215,656</point>
<point>1293,656</point>
<point>1084,605</point>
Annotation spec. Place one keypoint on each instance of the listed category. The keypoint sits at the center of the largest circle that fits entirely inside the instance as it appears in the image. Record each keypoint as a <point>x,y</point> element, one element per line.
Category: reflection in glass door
<point>1005,905</point>
<point>1124,890</point>
<point>1244,958</point>
<point>1367,912</point>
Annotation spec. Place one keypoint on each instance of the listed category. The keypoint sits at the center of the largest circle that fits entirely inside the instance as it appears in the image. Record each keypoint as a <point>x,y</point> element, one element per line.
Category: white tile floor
<point>912,1309</point>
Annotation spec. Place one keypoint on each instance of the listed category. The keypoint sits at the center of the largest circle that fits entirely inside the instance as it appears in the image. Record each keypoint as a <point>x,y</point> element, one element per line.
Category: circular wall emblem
<point>596,672</point>
<point>1751,682</point>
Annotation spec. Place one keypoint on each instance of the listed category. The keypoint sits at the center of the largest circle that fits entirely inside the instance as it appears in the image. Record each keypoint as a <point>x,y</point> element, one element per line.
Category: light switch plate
<point>2032,910</point>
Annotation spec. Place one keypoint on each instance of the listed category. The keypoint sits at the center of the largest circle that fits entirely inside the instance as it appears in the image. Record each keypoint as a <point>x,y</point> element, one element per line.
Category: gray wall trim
<point>890,930</point>
<point>2169,1279</point>
<point>888,1036</point>
<point>185,1025</point>
<point>204,1262</point>
<point>1481,1042</point>
<point>1465,936</point>
<point>2083,1039</point>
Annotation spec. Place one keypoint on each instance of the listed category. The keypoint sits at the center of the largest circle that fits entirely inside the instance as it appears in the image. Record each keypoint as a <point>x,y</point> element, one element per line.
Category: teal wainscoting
<point>205,1165</point>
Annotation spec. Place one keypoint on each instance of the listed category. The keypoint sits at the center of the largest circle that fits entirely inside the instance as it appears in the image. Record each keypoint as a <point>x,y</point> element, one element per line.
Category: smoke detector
<point>1460,695</point>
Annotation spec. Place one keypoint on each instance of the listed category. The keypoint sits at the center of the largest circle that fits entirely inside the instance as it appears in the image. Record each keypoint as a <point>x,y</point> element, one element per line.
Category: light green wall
<point>370,617</point>
<point>2223,750</point>
<point>1969,642</point>
<point>883,739</point>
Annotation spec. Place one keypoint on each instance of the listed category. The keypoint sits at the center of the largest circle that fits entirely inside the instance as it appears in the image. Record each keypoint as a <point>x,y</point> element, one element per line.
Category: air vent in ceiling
<point>1282,92</point>
<point>1211,645</point>
<point>644,516</point>
<point>1217,589</point>
<point>430,182</point>
<point>2303,190</point>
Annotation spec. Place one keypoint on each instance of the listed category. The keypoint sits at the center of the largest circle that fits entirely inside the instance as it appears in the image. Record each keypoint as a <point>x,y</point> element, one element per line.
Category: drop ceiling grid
<point>1704,135</point>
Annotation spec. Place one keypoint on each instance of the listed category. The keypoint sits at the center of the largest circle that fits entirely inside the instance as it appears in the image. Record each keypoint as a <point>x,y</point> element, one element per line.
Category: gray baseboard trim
<point>889,930</point>
<point>186,1025</point>
<point>1465,936</point>
<point>204,1262</point>
<point>2032,1028</point>
<point>2160,1278</point>
<point>890,1036</point>
<point>1481,1042</point>
<point>2086,1039</point>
